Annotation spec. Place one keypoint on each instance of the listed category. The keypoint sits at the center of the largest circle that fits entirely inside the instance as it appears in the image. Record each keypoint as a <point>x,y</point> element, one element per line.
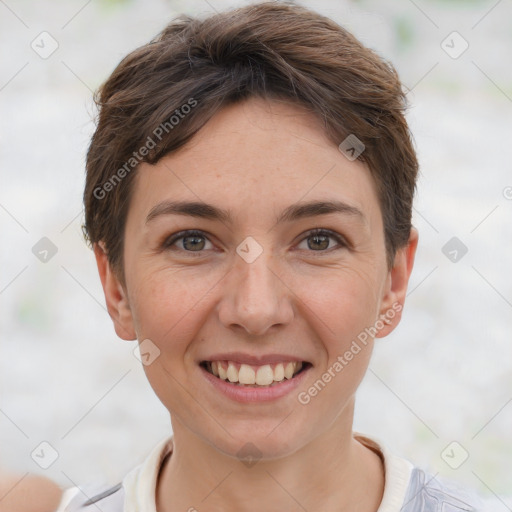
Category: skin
<point>30,493</point>
<point>256,158</point>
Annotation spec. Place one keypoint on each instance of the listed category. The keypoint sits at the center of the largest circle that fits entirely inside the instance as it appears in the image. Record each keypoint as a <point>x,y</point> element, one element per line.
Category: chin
<point>259,442</point>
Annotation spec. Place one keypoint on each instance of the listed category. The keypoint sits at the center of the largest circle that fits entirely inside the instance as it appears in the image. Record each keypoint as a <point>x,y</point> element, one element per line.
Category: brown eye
<point>193,242</point>
<point>189,241</point>
<point>320,240</point>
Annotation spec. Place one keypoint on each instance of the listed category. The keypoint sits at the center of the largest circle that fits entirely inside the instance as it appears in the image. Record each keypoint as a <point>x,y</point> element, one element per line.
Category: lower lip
<point>248,394</point>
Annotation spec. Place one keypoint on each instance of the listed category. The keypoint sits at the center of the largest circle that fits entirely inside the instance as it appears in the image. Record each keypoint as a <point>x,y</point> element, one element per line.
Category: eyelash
<point>170,241</point>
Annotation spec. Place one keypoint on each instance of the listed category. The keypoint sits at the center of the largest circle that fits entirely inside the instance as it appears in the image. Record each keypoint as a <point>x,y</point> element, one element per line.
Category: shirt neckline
<point>397,474</point>
<point>140,484</point>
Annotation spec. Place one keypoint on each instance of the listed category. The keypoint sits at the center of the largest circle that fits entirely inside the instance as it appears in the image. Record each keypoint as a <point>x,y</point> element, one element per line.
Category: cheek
<point>164,306</point>
<point>340,306</point>
<point>343,302</point>
<point>166,309</point>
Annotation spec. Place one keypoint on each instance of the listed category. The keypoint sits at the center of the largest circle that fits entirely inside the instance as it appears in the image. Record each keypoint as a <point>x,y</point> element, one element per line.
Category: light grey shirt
<point>406,489</point>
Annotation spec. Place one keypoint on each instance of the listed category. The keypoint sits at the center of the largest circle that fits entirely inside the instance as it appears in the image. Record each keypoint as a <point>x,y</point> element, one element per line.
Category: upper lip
<point>240,357</point>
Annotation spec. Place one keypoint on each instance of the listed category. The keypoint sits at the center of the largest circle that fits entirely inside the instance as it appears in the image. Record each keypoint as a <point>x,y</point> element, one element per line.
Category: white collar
<point>397,474</point>
<point>140,484</point>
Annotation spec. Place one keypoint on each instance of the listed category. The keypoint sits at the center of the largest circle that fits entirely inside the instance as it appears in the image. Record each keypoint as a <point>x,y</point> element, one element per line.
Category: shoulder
<point>108,499</point>
<point>428,493</point>
<point>138,486</point>
<point>411,489</point>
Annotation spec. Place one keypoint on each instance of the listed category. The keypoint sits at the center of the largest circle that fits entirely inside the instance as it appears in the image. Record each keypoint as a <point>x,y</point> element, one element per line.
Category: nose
<point>254,297</point>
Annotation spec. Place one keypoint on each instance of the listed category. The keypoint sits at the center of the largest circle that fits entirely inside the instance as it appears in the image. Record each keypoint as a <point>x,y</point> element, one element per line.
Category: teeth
<point>264,375</point>
<point>288,370</point>
<point>248,375</point>
<point>232,373</point>
<point>222,373</point>
<point>279,372</point>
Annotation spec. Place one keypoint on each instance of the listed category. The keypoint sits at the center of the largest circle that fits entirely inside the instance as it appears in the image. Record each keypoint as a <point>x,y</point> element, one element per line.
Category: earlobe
<point>115,296</point>
<point>396,285</point>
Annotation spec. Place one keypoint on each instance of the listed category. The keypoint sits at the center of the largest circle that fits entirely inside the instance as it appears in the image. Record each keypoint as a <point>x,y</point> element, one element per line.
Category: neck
<point>332,472</point>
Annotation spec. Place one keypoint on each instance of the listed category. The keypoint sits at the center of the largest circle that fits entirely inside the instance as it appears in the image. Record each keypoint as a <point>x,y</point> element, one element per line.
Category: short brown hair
<point>275,50</point>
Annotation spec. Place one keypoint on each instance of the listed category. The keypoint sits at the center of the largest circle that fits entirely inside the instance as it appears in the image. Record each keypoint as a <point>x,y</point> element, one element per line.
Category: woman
<point>248,198</point>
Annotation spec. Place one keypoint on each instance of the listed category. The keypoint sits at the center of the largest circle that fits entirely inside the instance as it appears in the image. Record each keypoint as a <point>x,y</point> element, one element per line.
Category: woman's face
<point>255,285</point>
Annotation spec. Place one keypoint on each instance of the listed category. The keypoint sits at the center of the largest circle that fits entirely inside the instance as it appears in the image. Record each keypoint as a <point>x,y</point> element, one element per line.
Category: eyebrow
<point>293,212</point>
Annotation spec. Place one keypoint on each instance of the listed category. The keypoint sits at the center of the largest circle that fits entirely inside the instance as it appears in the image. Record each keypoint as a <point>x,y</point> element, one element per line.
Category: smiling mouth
<point>246,375</point>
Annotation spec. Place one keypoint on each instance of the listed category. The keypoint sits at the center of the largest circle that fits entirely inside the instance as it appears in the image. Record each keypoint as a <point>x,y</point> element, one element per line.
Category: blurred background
<point>439,389</point>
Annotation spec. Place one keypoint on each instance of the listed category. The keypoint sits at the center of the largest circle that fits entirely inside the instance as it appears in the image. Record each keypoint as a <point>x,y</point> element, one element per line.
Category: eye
<point>190,241</point>
<point>319,240</point>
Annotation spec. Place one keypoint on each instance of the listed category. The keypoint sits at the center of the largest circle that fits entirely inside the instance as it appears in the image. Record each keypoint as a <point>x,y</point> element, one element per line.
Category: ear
<point>115,296</point>
<point>396,286</point>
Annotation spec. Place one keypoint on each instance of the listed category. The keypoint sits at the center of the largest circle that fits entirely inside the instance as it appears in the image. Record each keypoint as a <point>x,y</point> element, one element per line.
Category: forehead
<point>254,156</point>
